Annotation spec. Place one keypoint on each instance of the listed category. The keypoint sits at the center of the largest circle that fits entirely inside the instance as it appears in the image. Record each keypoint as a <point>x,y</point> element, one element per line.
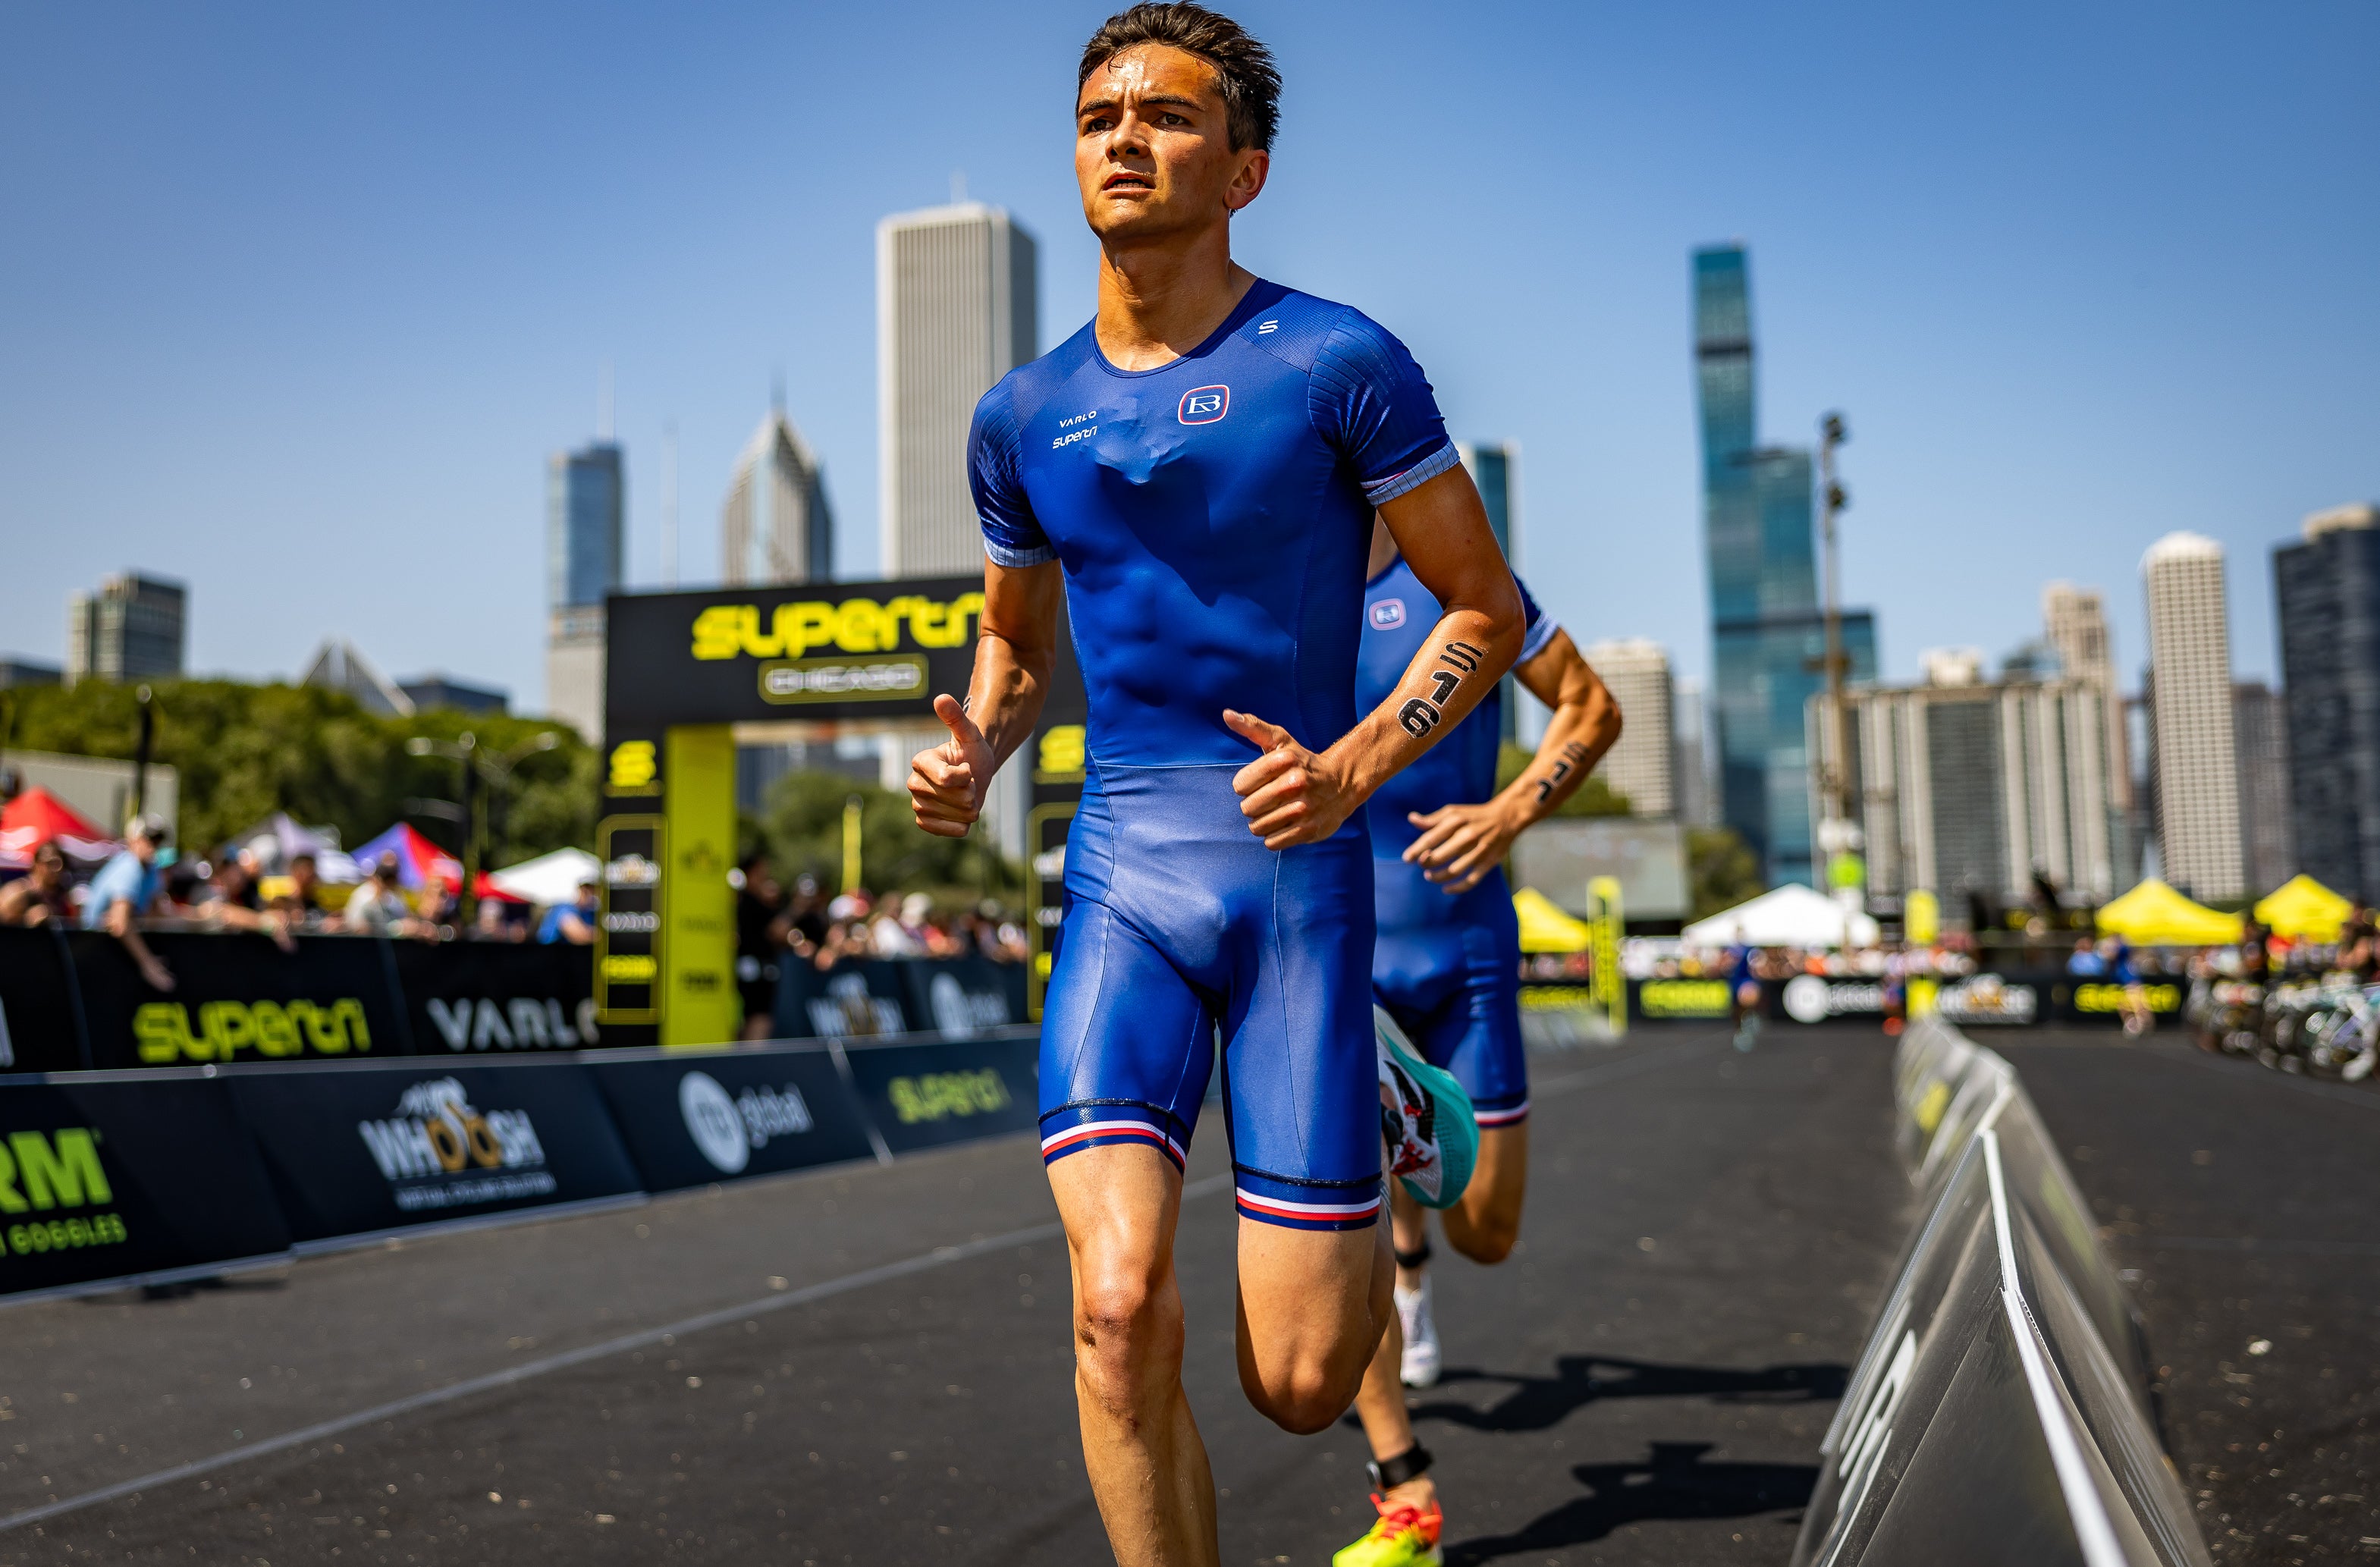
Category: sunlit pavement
<point>1646,1380</point>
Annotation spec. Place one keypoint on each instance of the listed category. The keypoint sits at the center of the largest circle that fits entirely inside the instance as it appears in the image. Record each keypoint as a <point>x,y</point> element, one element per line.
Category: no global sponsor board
<point>697,1117</point>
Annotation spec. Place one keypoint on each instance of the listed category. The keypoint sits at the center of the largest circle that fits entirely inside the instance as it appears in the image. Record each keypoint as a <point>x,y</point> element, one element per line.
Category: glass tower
<point>1768,631</point>
<point>584,525</point>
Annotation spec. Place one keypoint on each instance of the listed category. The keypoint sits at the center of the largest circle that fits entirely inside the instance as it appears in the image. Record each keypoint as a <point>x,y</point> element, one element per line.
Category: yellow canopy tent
<point>1544,928</point>
<point>2154,915</point>
<point>2303,908</point>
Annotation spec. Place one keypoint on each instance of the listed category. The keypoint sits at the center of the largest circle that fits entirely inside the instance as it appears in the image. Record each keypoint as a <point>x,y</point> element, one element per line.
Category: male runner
<point>1195,470</point>
<point>1446,967</point>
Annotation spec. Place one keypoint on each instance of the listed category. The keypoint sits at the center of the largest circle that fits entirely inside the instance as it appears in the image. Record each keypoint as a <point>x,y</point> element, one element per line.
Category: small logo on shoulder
<point>1388,615</point>
<point>1205,405</point>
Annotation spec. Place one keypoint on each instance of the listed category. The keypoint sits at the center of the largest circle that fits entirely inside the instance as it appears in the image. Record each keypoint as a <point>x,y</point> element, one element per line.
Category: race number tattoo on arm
<point>1422,714</point>
<point>1572,755</point>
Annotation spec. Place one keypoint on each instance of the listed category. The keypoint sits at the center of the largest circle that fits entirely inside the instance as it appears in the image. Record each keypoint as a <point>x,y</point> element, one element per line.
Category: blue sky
<point>295,301</point>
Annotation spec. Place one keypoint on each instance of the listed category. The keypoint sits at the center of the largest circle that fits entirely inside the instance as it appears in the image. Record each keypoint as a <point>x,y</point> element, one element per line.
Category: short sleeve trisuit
<point>1447,969</point>
<point>1212,517</point>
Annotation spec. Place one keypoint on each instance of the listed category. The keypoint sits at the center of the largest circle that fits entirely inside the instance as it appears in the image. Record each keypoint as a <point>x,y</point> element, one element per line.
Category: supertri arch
<point>682,671</point>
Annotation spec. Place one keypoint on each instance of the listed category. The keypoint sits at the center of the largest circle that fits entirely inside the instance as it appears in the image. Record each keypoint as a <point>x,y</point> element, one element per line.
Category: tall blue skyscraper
<point>586,527</point>
<point>1768,630</point>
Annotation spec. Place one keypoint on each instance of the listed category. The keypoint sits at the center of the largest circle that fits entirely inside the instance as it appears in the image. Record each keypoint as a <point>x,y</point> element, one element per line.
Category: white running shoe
<point>1420,1366</point>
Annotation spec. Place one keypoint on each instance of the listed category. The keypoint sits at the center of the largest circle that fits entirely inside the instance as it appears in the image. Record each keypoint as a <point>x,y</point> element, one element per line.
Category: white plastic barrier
<point>2000,1411</point>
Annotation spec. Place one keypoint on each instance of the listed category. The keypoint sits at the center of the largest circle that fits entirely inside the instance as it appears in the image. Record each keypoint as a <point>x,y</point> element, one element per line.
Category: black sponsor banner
<point>475,998</point>
<point>1810,998</point>
<point>1678,1000</point>
<point>925,1095</point>
<point>41,1017</point>
<point>357,1152</point>
<point>1996,1001</point>
<point>2100,1002</point>
<point>238,997</point>
<point>697,1117</point>
<point>963,997</point>
<point>103,1181</point>
<point>855,1000</point>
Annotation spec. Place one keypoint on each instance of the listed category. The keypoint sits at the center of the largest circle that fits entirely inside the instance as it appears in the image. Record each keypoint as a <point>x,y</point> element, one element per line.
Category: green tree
<point>802,825</point>
<point>1595,798</point>
<point>1722,869</point>
<point>243,752</point>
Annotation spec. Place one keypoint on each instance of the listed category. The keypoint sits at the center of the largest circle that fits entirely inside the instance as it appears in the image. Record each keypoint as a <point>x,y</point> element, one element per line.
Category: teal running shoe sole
<point>1433,1152</point>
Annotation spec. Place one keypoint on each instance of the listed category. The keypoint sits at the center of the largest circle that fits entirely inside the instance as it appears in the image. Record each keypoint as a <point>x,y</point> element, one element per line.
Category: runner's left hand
<point>1289,795</point>
<point>1460,845</point>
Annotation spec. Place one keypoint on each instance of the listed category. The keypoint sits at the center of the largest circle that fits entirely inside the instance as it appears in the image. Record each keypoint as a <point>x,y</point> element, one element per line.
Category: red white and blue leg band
<point>1307,1205</point>
<point>1074,1128</point>
<point>1505,1112</point>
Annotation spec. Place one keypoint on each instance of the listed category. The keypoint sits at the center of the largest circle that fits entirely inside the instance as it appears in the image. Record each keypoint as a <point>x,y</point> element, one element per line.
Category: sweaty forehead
<point>1152,67</point>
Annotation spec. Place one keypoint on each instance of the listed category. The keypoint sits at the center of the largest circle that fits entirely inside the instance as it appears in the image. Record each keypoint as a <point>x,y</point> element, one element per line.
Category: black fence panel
<point>857,998</point>
<point>361,1153</point>
<point>126,1181</point>
<point>925,1095</point>
<point>238,998</point>
<point>493,998</point>
<point>961,997</point>
<point>41,1016</point>
<point>695,1117</point>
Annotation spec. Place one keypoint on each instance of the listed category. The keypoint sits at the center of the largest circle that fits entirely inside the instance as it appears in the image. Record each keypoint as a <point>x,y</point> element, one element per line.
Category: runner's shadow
<point>1537,1403</point>
<point>1676,1484</point>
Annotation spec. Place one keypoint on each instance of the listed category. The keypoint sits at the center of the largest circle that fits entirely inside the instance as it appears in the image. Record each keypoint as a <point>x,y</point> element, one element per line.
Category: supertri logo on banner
<point>855,625</point>
<point>439,1152</point>
<point>277,1030</point>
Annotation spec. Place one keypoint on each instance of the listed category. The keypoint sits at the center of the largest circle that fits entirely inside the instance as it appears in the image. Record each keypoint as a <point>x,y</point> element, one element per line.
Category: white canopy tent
<point>1791,915</point>
<point>548,879</point>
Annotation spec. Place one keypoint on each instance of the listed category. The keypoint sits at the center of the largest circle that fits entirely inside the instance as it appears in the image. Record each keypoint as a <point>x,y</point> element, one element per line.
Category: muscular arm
<point>1017,646</point>
<point>1292,795</point>
<point>1461,843</point>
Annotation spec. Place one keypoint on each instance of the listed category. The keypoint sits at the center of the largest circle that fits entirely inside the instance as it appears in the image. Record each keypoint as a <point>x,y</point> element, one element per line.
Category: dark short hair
<point>1249,83</point>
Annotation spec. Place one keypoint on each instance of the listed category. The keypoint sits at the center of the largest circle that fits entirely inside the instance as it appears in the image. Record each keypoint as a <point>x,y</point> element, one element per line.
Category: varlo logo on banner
<point>438,1151</point>
<point>523,1023</point>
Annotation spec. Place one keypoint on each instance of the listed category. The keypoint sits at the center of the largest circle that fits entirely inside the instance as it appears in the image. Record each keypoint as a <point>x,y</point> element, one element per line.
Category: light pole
<point>1834,835</point>
<point>465,749</point>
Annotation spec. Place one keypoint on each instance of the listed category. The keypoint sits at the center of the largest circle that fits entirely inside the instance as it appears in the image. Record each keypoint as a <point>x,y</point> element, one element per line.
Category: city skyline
<point>2074,299</point>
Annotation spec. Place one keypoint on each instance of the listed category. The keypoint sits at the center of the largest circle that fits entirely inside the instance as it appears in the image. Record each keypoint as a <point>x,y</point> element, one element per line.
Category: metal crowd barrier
<point>2002,1410</point>
<point>152,1176</point>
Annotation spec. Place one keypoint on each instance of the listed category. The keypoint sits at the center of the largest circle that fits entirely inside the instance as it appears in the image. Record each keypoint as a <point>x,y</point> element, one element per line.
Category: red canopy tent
<point>36,817</point>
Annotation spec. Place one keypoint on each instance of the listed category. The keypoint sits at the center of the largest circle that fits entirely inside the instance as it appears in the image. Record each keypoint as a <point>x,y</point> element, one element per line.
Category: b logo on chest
<point>1205,405</point>
<point>1388,615</point>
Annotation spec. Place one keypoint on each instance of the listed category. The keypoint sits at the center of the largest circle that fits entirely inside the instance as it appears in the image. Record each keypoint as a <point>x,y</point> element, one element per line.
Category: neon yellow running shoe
<point>1404,1535</point>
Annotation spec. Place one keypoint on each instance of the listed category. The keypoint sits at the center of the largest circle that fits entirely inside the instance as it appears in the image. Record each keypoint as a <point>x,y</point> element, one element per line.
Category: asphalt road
<point>2241,1201</point>
<point>1648,1379</point>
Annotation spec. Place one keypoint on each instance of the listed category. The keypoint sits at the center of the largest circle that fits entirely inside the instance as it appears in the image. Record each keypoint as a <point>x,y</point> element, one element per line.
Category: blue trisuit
<point>1212,517</point>
<point>1447,969</point>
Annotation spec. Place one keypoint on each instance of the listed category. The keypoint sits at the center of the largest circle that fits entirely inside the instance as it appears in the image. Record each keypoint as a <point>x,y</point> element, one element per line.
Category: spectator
<point>122,892</point>
<point>572,922</point>
<point>229,902</point>
<point>807,916</point>
<point>40,896</point>
<point>2085,963</point>
<point>499,923</point>
<point>435,910</point>
<point>302,905</point>
<point>762,925</point>
<point>377,908</point>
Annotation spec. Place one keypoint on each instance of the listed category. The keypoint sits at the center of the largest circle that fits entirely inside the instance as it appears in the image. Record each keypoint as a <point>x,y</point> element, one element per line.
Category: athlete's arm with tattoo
<point>1292,795</point>
<point>1460,844</point>
<point>1016,645</point>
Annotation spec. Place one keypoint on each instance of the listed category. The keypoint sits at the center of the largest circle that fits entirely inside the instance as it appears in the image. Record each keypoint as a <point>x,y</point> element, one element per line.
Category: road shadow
<point>1676,1484</point>
<point>1537,1403</point>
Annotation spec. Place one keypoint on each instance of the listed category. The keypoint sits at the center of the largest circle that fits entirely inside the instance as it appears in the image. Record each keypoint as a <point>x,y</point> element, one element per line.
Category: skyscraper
<point>2260,728</point>
<point>1767,629</point>
<point>586,525</point>
<point>133,625</point>
<point>2327,588</point>
<point>1967,786</point>
<point>775,525</point>
<point>2197,756</point>
<point>955,297</point>
<point>1689,715</point>
<point>1643,763</point>
<point>1490,467</point>
<point>2075,623</point>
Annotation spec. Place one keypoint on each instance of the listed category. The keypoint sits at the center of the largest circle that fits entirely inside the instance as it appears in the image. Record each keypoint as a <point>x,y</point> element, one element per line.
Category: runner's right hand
<point>947,781</point>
